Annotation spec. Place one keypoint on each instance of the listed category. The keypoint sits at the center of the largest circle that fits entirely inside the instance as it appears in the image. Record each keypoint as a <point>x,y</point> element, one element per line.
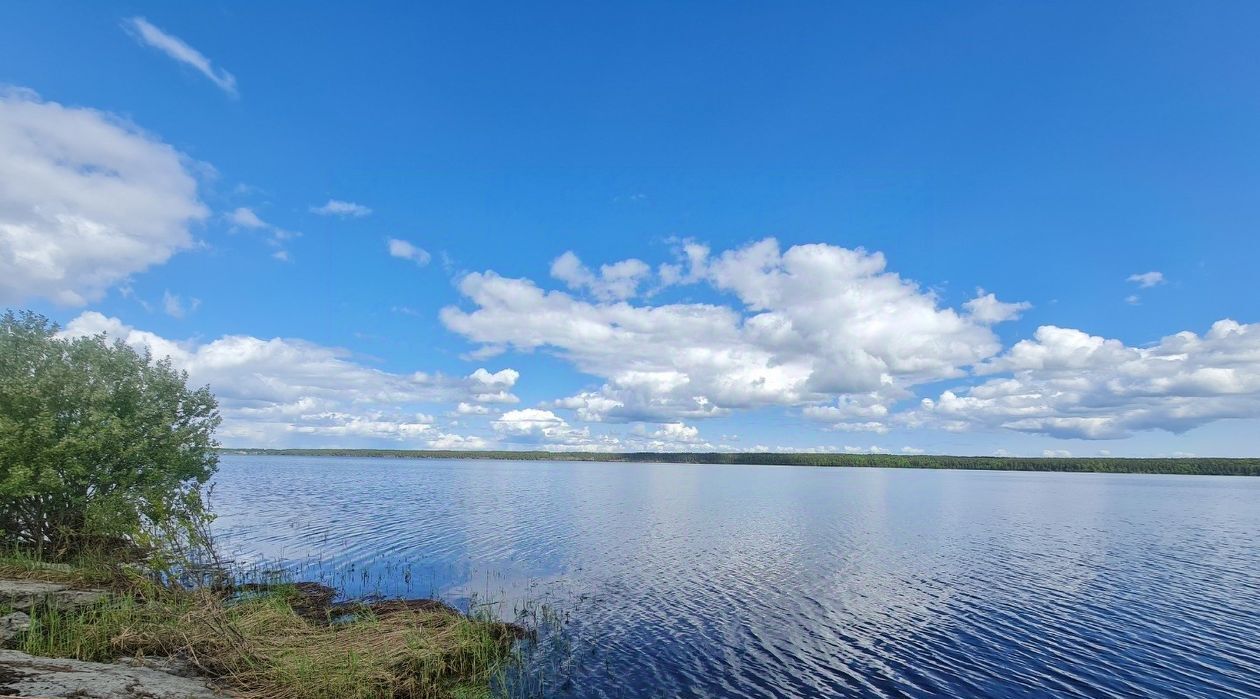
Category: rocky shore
<point>27,676</point>
<point>23,675</point>
<point>220,643</point>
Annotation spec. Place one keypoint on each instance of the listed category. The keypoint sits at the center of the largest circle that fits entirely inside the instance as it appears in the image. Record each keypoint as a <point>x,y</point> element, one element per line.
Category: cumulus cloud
<point>337,207</point>
<point>693,258</point>
<point>617,281</point>
<point>1067,383</point>
<point>677,432</point>
<point>812,323</point>
<point>177,49</point>
<point>987,309</point>
<point>493,388</point>
<point>831,332</point>
<point>457,442</point>
<point>1146,280</point>
<point>273,391</point>
<point>87,201</point>
<point>859,412</point>
<point>543,429</point>
<point>407,251</point>
<point>536,426</point>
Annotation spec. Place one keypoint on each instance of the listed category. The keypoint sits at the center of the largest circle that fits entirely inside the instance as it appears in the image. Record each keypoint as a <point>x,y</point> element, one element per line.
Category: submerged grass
<point>274,641</point>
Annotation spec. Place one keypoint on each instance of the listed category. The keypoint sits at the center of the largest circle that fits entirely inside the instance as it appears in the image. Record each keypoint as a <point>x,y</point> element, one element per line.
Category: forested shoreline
<point>1182,466</point>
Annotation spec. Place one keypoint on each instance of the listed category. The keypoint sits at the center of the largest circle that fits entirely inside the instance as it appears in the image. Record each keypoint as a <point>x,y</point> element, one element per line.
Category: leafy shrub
<point>102,448</point>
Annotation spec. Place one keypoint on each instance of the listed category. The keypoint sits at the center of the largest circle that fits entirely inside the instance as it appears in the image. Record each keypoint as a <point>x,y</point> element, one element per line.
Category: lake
<point>766,581</point>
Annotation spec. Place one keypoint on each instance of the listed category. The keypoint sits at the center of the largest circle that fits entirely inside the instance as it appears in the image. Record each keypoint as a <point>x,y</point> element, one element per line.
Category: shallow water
<point>765,581</point>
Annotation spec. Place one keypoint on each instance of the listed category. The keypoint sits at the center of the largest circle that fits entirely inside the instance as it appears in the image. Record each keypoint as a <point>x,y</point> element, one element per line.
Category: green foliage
<point>1183,466</point>
<point>101,448</point>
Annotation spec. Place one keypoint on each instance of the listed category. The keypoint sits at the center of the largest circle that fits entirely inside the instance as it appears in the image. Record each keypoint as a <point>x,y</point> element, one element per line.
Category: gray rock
<point>11,625</point>
<point>171,666</point>
<point>24,594</point>
<point>28,676</point>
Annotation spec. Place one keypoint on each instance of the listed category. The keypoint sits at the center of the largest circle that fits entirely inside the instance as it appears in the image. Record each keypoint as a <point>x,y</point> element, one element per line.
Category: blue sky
<point>828,186</point>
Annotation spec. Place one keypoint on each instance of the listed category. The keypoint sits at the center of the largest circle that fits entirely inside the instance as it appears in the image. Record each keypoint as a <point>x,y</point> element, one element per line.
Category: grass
<point>85,572</point>
<point>273,642</point>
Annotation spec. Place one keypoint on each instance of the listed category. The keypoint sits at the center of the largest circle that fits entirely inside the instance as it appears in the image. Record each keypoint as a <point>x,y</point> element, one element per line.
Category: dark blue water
<point>763,581</point>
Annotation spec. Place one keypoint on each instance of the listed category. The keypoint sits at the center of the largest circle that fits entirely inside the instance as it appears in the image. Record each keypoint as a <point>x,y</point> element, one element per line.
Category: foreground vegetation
<point>1185,466</point>
<point>281,640</point>
<point>101,447</point>
<point>105,454</point>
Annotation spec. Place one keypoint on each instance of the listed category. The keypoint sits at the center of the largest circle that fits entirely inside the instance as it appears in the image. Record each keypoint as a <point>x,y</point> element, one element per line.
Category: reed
<point>277,640</point>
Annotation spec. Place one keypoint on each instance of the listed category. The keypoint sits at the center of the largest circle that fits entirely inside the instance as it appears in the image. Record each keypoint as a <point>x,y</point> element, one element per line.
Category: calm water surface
<point>764,581</point>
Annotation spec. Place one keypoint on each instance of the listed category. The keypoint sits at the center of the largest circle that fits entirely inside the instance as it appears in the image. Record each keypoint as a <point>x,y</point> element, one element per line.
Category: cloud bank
<point>832,333</point>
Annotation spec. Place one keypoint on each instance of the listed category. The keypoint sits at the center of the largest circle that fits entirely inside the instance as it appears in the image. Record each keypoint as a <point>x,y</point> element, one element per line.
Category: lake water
<point>764,581</point>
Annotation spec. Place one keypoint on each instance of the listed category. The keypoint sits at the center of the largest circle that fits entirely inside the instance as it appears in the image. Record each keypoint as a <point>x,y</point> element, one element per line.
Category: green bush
<point>102,448</point>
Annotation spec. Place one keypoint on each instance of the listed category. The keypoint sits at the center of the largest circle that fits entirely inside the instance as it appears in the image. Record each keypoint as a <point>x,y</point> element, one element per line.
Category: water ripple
<point>733,581</point>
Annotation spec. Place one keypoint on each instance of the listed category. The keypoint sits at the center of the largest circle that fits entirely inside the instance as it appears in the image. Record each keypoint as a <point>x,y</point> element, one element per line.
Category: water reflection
<point>740,581</point>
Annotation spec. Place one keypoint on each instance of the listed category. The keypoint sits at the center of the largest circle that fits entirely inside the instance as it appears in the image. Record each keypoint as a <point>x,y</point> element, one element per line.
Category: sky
<point>906,227</point>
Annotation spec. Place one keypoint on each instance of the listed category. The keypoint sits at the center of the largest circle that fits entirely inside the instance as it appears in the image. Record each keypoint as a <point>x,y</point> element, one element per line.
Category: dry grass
<point>269,643</point>
<point>264,648</point>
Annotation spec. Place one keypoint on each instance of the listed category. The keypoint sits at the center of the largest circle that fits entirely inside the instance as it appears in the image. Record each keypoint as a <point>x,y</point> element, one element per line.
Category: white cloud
<point>1133,299</point>
<point>528,420</point>
<point>912,451</point>
<point>176,49</point>
<point>493,388</point>
<point>987,309</point>
<point>860,412</point>
<point>534,426</point>
<point>814,322</point>
<point>1067,383</point>
<point>543,429</point>
<point>1056,454</point>
<point>471,409</point>
<point>1146,280</point>
<point>457,442</point>
<point>677,432</point>
<point>87,200</point>
<point>176,307</point>
<point>830,331</point>
<point>614,282</point>
<point>276,391</point>
<point>589,406</point>
<point>337,207</point>
<point>407,251</point>
<point>245,217</point>
<point>693,259</point>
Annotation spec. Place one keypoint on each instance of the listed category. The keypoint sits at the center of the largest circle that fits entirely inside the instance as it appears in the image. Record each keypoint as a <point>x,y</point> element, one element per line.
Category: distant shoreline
<point>1106,464</point>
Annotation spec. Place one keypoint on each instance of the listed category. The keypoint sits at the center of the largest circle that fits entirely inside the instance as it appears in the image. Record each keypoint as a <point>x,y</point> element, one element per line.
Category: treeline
<point>1188,466</point>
